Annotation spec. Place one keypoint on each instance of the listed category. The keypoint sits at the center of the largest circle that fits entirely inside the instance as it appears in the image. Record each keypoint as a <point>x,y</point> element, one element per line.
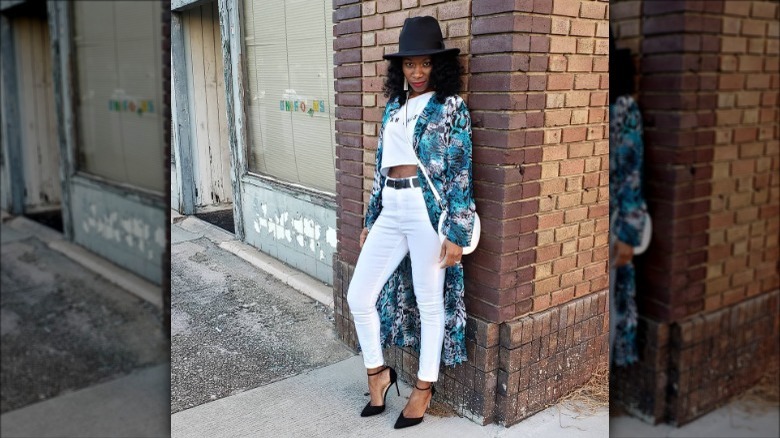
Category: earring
<point>406,85</point>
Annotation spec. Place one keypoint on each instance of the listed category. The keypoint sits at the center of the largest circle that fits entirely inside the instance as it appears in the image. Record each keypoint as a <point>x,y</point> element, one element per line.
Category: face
<point>417,71</point>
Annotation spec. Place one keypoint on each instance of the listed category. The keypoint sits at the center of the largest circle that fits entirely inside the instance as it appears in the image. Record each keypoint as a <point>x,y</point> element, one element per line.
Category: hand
<point>450,254</point>
<point>623,253</point>
<point>363,235</point>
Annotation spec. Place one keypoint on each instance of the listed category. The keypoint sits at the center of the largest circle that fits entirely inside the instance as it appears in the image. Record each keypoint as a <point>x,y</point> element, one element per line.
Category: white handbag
<point>476,230</point>
<point>647,234</point>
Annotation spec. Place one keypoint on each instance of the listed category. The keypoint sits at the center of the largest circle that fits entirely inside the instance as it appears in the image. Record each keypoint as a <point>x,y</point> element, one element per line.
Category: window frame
<point>325,198</point>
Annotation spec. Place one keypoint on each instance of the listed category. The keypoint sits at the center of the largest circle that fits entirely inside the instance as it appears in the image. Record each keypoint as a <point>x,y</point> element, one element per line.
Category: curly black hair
<point>446,78</point>
<point>620,60</point>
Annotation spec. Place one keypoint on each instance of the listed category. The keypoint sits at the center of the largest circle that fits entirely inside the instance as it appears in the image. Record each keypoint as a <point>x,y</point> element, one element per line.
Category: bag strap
<point>430,184</point>
<point>419,164</point>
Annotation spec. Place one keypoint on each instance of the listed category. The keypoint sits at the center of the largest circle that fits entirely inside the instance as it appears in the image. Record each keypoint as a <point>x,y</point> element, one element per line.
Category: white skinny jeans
<point>402,227</point>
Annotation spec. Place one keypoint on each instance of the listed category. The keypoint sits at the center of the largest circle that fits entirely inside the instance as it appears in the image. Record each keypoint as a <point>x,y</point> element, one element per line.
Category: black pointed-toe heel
<point>370,410</point>
<point>403,422</point>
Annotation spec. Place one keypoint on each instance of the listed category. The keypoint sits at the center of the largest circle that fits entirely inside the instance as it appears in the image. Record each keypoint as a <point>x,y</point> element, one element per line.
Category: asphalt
<point>235,327</point>
<point>69,333</point>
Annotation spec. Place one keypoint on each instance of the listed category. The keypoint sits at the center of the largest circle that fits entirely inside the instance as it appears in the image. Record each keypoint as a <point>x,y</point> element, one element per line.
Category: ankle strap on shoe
<point>423,389</point>
<point>374,374</point>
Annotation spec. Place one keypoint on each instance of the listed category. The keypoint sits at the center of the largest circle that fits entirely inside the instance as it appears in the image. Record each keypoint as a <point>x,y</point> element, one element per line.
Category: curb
<point>298,280</point>
<point>117,275</point>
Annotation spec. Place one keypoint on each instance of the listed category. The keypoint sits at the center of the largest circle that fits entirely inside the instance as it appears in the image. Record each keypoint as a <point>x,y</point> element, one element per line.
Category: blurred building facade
<point>83,125</point>
<point>537,286</point>
<point>254,117</point>
<point>708,293</point>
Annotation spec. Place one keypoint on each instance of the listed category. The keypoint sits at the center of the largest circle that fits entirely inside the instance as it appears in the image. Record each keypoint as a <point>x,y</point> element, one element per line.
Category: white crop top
<point>396,141</point>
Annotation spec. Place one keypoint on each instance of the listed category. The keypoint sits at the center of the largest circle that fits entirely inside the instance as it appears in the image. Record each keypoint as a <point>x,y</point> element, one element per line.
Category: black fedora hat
<point>420,36</point>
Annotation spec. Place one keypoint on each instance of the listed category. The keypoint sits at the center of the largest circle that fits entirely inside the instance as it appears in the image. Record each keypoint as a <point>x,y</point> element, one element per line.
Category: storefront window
<point>119,92</point>
<point>290,98</point>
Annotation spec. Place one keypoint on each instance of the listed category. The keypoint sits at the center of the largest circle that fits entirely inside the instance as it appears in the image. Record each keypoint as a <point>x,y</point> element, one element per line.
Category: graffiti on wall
<point>292,102</point>
<point>121,102</point>
<point>304,232</point>
<point>138,106</point>
<point>132,232</point>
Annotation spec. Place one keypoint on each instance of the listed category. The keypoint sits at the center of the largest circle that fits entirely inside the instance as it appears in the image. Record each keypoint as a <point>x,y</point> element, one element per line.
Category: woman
<point>407,288</point>
<point>627,207</point>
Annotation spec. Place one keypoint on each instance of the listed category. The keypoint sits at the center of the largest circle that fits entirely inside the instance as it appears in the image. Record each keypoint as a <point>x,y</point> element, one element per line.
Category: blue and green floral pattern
<point>627,217</point>
<point>442,140</point>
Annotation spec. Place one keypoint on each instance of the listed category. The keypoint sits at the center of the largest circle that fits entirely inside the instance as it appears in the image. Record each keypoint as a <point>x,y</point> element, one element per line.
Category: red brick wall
<point>348,73</point>
<point>745,201</point>
<point>678,153</point>
<point>709,101</point>
<point>717,355</point>
<point>546,355</point>
<point>572,234</point>
<point>708,89</point>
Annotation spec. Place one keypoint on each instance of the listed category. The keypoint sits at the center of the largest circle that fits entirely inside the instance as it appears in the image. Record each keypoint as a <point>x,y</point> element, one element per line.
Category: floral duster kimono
<point>626,212</point>
<point>442,141</point>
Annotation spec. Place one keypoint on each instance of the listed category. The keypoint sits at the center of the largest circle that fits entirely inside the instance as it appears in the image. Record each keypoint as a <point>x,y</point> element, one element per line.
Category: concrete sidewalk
<point>736,419</point>
<point>135,405</point>
<point>730,421</point>
<point>326,402</point>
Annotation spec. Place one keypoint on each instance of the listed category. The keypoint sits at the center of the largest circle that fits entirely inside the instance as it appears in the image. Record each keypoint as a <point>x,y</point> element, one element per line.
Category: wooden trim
<point>38,122</point>
<point>232,56</point>
<point>60,20</point>
<point>181,118</point>
<point>12,118</point>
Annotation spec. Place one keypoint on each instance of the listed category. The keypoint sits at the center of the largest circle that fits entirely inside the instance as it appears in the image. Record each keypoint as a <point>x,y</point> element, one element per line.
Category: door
<point>207,113</point>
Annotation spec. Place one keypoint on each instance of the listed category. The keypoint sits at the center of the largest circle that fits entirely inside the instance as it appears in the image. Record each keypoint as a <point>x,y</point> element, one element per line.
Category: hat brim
<point>421,52</point>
